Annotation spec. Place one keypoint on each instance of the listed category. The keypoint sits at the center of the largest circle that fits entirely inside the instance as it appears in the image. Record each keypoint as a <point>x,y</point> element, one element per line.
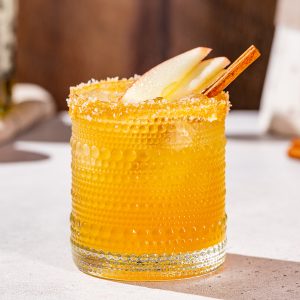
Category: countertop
<point>263,207</point>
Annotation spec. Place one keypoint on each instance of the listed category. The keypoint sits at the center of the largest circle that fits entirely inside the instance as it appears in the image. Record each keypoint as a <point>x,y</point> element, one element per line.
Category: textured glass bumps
<point>148,184</point>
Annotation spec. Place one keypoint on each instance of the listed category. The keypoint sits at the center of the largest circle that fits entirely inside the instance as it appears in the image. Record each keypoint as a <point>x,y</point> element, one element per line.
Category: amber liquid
<point>146,186</point>
<point>5,94</point>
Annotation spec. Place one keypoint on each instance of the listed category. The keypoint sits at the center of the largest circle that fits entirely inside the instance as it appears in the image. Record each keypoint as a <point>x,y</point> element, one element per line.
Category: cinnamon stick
<point>294,149</point>
<point>233,71</point>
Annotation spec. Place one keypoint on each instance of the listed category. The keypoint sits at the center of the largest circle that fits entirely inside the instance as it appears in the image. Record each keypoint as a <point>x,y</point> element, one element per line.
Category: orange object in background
<point>148,184</point>
<point>294,150</point>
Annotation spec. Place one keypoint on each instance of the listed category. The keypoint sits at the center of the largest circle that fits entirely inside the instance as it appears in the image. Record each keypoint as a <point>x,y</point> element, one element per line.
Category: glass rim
<point>100,100</point>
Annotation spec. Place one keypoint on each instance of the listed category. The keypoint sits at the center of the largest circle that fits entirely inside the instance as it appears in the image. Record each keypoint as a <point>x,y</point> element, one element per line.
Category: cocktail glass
<point>148,183</point>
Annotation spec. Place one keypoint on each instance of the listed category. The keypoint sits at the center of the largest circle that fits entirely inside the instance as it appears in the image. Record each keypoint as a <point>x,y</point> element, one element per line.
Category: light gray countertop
<point>263,206</point>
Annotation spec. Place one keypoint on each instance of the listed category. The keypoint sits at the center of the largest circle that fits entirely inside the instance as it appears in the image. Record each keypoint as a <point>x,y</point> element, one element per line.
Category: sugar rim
<point>95,107</point>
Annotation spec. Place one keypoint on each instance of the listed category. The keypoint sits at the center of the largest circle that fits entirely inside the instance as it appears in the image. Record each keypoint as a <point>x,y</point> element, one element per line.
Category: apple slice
<point>168,74</point>
<point>200,78</point>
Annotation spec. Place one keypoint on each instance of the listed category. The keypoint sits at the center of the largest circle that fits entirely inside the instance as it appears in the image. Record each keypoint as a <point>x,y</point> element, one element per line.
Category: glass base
<point>148,267</point>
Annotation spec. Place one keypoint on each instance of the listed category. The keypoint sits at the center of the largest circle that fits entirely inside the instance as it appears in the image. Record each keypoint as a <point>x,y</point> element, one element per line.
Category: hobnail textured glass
<point>148,187</point>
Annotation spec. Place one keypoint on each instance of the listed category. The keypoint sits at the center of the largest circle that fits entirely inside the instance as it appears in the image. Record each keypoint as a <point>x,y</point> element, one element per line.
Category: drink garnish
<point>233,71</point>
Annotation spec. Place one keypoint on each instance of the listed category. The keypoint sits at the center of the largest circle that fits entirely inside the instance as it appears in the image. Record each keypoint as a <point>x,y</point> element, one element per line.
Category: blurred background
<point>62,43</point>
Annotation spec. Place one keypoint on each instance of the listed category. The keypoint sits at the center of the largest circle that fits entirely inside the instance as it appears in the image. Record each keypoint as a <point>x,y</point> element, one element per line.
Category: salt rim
<point>106,104</point>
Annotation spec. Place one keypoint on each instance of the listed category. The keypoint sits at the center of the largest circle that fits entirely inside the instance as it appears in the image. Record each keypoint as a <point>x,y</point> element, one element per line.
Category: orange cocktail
<point>148,184</point>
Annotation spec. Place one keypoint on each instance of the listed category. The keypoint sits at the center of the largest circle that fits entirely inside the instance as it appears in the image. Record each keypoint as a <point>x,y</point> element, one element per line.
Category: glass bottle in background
<point>8,13</point>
